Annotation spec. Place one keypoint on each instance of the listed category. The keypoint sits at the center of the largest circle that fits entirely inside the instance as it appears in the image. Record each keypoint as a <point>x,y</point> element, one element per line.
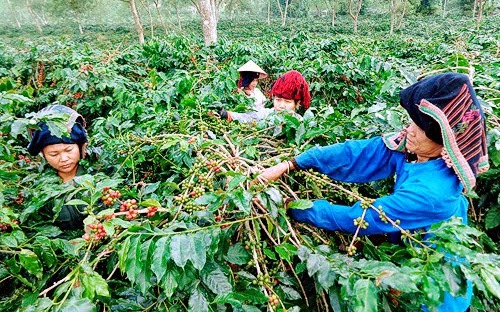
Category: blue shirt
<point>424,193</point>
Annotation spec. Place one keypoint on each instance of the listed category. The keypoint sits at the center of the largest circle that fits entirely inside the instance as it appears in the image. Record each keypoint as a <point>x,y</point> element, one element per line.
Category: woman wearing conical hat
<point>250,74</point>
<point>289,92</point>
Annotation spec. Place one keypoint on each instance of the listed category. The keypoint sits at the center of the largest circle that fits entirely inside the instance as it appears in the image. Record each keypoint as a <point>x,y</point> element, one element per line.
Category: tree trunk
<point>398,10</point>
<point>393,16</point>
<point>137,21</point>
<point>479,13</point>
<point>331,4</point>
<point>283,22</point>
<point>162,21</point>
<point>44,19</point>
<point>281,10</point>
<point>208,12</point>
<point>269,12</point>
<point>444,8</point>
<point>151,24</point>
<point>354,15</point>
<point>34,17</point>
<point>402,15</point>
<point>177,14</point>
<point>80,28</point>
<point>333,17</point>
<point>18,24</point>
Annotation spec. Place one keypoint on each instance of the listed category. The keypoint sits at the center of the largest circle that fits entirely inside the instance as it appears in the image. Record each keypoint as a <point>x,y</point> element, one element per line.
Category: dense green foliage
<point>200,236</point>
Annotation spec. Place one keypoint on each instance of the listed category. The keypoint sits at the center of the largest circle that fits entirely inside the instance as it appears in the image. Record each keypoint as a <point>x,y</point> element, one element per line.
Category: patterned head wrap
<point>42,137</point>
<point>446,108</point>
<point>292,85</point>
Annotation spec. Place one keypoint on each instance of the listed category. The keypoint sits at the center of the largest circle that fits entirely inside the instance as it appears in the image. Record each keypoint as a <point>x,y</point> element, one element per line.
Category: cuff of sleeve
<point>295,165</point>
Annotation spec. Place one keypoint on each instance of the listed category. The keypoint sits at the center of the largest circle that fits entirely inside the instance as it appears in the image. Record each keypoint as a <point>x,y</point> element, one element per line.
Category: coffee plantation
<point>175,218</point>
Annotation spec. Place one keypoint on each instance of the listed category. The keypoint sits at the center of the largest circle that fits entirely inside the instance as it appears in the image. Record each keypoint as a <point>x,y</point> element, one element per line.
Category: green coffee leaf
<point>365,299</point>
<point>29,261</point>
<point>300,204</point>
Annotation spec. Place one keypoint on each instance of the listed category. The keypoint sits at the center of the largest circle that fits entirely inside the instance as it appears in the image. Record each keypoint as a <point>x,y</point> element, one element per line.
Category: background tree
<point>35,17</point>
<point>13,13</point>
<point>283,9</point>
<point>398,10</point>
<point>331,5</point>
<point>176,5</point>
<point>478,7</point>
<point>354,9</point>
<point>137,20</point>
<point>73,10</point>
<point>208,10</point>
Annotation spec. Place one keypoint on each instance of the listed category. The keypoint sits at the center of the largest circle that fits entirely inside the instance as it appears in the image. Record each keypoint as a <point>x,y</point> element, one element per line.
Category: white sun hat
<point>250,66</point>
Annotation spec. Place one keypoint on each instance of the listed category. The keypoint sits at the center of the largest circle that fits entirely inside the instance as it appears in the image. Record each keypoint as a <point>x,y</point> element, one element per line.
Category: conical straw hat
<point>250,66</point>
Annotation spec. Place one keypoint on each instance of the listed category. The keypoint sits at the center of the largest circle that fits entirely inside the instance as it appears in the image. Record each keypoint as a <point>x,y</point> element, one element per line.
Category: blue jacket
<point>424,193</point>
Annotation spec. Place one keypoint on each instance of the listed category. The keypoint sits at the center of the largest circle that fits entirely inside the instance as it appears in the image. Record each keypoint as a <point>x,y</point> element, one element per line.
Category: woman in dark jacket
<point>63,154</point>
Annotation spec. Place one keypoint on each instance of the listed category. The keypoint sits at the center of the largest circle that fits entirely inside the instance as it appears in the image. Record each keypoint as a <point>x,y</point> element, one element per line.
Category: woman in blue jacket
<point>435,159</point>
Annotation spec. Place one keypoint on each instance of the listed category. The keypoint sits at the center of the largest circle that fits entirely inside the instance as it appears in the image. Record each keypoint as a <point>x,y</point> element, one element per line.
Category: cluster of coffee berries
<point>191,140</point>
<point>77,95</point>
<point>203,127</point>
<point>197,192</point>
<point>249,244</point>
<point>97,232</point>
<point>6,226</point>
<point>206,182</point>
<point>359,97</point>
<point>361,223</point>
<point>212,165</point>
<point>20,198</point>
<point>85,68</point>
<point>181,198</point>
<point>197,166</point>
<point>110,216</point>
<point>109,196</point>
<point>351,250</point>
<point>262,280</point>
<point>366,203</point>
<point>273,301</point>
<point>152,211</point>
<point>129,204</point>
<point>26,159</point>
<point>132,214</point>
<point>318,179</point>
<point>191,207</point>
<point>382,215</point>
<point>41,75</point>
<point>186,185</point>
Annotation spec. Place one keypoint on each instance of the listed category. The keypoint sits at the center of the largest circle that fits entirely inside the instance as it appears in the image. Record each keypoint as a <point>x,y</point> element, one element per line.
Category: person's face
<point>284,104</point>
<point>418,143</point>
<point>253,84</point>
<point>62,157</point>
